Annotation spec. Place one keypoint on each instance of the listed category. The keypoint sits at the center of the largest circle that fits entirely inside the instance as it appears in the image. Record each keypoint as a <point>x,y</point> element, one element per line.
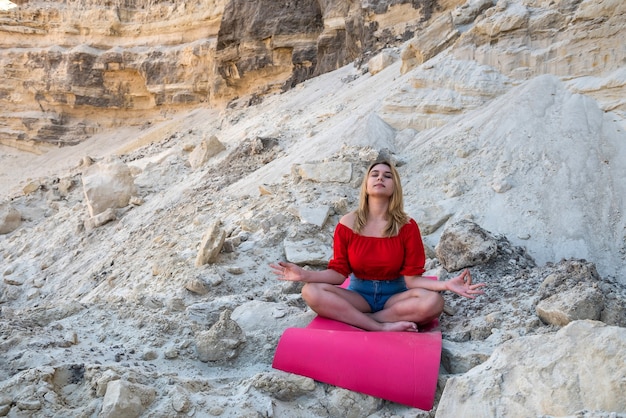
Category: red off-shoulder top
<point>374,258</point>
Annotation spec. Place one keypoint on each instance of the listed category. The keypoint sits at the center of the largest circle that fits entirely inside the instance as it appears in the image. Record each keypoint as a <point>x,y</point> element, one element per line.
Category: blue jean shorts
<point>377,292</point>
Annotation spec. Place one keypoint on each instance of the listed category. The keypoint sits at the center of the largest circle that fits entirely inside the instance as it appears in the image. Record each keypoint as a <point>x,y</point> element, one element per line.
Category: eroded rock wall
<point>71,69</point>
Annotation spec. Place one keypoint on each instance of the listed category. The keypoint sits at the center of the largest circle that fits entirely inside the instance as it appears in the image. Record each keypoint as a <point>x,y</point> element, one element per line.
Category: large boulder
<point>578,368</point>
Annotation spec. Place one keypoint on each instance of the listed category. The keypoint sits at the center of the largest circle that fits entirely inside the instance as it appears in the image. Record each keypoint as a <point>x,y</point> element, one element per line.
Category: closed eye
<point>375,173</point>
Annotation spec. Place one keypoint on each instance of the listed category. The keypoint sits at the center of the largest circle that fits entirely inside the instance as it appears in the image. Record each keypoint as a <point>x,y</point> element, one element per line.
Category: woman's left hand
<point>462,285</point>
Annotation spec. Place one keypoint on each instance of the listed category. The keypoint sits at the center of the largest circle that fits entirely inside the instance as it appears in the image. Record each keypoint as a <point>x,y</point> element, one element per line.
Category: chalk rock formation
<point>578,368</point>
<point>71,69</point>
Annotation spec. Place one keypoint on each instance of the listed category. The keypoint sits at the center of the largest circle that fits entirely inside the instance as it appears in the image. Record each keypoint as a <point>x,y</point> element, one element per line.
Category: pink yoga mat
<point>401,367</point>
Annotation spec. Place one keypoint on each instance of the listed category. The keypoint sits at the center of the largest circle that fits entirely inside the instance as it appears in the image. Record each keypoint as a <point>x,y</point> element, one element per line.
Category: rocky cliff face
<point>70,69</point>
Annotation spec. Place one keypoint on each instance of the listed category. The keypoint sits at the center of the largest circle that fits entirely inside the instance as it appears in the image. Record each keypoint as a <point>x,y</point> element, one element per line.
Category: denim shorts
<point>377,292</point>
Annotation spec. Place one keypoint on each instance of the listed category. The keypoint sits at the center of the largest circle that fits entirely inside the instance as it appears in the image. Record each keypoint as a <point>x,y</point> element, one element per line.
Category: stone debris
<point>108,215</point>
<point>107,185</point>
<point>314,215</point>
<point>381,61</point>
<point>464,244</point>
<point>180,400</point>
<point>222,342</point>
<point>283,386</point>
<point>207,149</point>
<point>458,358</point>
<point>307,251</point>
<point>211,245</point>
<point>10,218</point>
<point>573,304</point>
<point>324,172</point>
<point>124,399</point>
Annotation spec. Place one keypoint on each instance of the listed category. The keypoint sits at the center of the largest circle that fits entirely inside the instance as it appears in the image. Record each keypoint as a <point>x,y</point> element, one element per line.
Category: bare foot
<point>399,326</point>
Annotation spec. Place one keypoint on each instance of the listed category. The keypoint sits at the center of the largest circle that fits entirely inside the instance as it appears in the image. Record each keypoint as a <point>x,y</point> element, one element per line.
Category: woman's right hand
<point>288,271</point>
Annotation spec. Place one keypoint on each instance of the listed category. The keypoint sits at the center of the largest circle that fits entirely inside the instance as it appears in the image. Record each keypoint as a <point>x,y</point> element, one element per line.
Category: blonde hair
<point>396,217</point>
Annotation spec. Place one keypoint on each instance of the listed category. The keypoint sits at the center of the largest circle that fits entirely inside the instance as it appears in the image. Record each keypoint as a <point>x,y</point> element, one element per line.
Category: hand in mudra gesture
<point>288,271</point>
<point>462,285</point>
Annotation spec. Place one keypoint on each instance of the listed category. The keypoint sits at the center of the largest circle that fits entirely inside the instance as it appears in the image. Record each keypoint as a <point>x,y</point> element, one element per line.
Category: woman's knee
<point>436,303</point>
<point>312,293</point>
<point>430,302</point>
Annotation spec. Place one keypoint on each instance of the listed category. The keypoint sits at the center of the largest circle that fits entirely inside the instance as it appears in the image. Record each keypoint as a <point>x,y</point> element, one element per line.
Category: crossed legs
<point>402,312</point>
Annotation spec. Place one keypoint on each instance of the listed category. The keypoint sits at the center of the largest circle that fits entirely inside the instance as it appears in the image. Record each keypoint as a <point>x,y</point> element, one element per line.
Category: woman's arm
<point>461,284</point>
<point>294,273</point>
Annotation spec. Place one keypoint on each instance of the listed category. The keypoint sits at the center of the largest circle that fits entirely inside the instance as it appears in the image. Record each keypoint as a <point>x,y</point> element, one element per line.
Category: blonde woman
<point>380,248</point>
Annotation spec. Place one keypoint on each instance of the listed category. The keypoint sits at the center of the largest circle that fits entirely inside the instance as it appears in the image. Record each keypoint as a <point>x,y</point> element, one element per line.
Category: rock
<point>211,244</point>
<point>10,218</point>
<point>314,215</point>
<point>102,382</point>
<point>209,312</point>
<point>28,404</point>
<point>512,16</point>
<point>126,400</point>
<point>345,403</point>
<point>283,386</point>
<point>198,286</point>
<point>65,186</point>
<point>180,400</point>
<point>222,342</point>
<point>269,318</point>
<point>465,244</point>
<point>468,12</point>
<point>458,358</point>
<point>430,218</point>
<point>580,302</point>
<point>573,289</point>
<point>324,172</point>
<point>100,219</point>
<point>381,61</point>
<point>552,374</point>
<point>568,274</point>
<point>437,36</point>
<point>107,185</point>
<point>307,251</point>
<point>69,338</point>
<point>31,187</point>
<point>171,353</point>
<point>207,149</point>
<point>13,281</point>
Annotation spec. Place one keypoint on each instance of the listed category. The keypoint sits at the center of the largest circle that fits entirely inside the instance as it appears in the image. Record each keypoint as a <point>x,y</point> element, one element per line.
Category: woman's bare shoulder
<point>348,219</point>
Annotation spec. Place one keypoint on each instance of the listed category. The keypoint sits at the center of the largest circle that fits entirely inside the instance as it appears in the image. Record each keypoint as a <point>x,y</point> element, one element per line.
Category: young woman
<point>380,248</point>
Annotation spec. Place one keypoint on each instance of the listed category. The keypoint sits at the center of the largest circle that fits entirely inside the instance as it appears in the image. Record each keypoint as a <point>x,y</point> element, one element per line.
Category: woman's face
<point>380,181</point>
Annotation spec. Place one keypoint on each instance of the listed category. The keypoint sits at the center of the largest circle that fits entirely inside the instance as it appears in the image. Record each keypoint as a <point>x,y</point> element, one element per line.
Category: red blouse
<point>374,258</point>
